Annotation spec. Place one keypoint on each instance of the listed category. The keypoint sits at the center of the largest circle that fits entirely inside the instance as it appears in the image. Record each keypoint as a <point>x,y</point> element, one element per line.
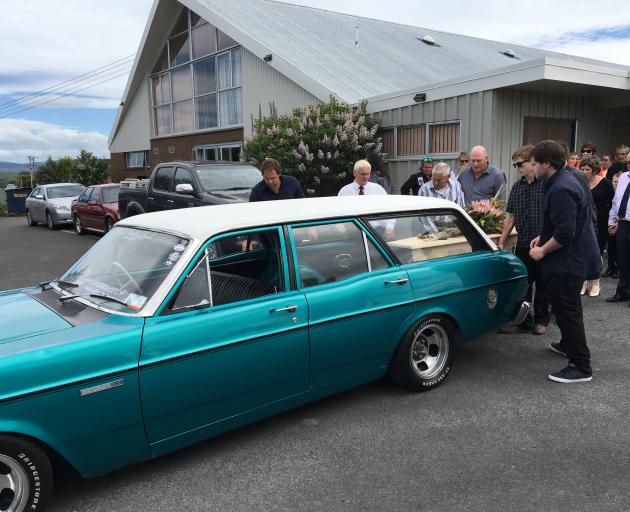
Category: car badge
<point>491,300</point>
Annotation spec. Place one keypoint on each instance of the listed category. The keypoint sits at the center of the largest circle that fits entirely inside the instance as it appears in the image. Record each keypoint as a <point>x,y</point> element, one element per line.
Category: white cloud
<point>21,138</point>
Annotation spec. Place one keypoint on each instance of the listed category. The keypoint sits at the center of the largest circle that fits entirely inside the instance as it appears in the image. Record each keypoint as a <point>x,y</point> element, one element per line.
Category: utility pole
<point>31,160</point>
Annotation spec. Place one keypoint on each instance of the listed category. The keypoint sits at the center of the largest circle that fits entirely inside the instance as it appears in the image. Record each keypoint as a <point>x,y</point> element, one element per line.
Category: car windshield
<point>126,265</point>
<point>228,177</point>
<point>64,191</point>
<point>110,194</point>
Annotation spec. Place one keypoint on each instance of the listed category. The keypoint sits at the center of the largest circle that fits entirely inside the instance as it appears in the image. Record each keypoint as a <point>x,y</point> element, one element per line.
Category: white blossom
<point>317,180</point>
<point>335,140</point>
<point>289,132</point>
<point>328,155</point>
<point>324,169</point>
<point>301,167</point>
<point>320,154</point>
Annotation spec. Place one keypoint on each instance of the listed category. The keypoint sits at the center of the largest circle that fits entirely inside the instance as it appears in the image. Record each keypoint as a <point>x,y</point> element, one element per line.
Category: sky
<point>47,43</point>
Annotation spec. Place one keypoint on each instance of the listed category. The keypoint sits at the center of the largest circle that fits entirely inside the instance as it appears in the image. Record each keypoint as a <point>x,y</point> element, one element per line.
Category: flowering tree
<point>318,145</point>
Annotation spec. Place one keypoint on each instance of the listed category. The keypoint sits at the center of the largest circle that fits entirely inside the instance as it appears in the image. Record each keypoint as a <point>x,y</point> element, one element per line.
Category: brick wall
<point>169,149</point>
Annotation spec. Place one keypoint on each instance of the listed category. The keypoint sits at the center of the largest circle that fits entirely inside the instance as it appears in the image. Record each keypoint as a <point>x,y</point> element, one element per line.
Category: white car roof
<point>203,222</point>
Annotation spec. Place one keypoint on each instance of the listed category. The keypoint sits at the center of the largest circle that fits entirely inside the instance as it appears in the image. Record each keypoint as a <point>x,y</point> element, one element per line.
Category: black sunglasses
<point>587,151</point>
<point>517,165</point>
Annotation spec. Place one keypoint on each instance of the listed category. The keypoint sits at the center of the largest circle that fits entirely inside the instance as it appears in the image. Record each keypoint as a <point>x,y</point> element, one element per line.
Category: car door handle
<point>170,201</point>
<point>402,280</point>
<point>289,309</point>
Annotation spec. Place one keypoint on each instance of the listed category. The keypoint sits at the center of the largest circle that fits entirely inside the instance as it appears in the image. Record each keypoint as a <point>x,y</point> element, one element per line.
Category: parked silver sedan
<point>50,204</point>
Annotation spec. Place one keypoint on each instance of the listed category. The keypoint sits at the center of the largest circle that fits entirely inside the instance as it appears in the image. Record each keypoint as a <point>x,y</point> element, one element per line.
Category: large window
<point>430,236</point>
<point>227,152</point>
<point>233,269</point>
<point>328,253</point>
<point>196,81</point>
<point>423,139</point>
<point>136,159</point>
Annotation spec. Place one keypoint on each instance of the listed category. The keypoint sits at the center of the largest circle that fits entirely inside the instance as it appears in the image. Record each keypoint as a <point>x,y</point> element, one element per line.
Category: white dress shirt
<point>624,182</point>
<point>369,189</point>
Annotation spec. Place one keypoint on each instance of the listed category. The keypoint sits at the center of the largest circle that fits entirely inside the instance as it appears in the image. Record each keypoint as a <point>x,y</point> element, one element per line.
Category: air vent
<point>508,53</point>
<point>428,40</point>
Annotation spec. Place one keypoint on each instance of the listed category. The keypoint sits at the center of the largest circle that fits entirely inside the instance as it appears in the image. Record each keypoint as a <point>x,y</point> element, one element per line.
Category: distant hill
<point>12,167</point>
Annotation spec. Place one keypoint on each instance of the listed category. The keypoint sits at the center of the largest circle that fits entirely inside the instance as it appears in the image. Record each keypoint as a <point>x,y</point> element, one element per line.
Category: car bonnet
<point>23,317</point>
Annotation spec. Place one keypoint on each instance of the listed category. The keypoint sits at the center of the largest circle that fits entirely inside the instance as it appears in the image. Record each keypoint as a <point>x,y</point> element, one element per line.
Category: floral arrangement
<point>487,214</point>
<point>318,145</point>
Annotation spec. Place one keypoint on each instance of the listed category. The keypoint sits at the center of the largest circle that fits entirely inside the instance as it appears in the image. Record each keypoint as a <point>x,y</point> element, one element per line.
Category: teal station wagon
<point>180,325</point>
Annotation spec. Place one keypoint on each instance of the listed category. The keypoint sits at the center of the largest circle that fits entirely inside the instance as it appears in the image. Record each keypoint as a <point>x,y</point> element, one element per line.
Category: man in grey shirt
<point>482,180</point>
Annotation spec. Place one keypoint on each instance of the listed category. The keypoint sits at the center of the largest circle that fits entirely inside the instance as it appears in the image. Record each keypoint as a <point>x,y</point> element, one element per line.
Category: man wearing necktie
<point>362,186</point>
<point>619,224</point>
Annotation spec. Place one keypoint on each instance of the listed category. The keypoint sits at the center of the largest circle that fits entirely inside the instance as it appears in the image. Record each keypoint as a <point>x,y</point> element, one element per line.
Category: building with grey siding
<point>206,68</point>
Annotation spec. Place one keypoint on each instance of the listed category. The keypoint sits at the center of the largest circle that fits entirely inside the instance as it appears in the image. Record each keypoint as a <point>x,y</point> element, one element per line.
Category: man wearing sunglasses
<point>619,226</point>
<point>417,179</point>
<point>524,211</point>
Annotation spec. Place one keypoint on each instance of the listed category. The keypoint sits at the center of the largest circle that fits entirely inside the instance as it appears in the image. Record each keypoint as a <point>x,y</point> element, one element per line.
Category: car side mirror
<point>184,188</point>
<point>39,196</point>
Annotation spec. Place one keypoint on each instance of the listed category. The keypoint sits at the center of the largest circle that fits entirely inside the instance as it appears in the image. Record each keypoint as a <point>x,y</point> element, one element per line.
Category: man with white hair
<point>481,180</point>
<point>442,186</point>
<point>362,186</point>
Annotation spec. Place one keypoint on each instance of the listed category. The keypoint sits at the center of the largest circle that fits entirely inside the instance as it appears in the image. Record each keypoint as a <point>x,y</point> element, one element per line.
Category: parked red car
<point>96,209</point>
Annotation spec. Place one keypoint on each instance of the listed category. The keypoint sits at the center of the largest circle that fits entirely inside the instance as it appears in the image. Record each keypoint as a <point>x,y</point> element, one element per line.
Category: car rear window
<point>64,191</point>
<point>110,194</point>
<point>227,177</point>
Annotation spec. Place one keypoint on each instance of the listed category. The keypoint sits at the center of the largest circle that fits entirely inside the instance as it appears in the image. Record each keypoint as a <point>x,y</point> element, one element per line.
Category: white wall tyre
<point>425,355</point>
<point>25,475</point>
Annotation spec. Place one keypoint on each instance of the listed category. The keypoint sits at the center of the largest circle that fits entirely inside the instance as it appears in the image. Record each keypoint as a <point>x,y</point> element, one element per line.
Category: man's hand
<point>389,232</point>
<point>534,242</point>
<point>536,253</point>
<point>612,230</point>
<point>501,243</point>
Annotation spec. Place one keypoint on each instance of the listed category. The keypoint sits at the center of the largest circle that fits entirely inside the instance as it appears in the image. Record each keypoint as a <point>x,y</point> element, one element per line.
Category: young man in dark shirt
<point>565,249</point>
<point>274,185</point>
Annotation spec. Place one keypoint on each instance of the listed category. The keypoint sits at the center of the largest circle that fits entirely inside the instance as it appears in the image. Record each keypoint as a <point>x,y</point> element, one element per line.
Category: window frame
<point>203,251</point>
<point>427,140</point>
<point>128,159</point>
<point>365,236</point>
<point>168,130</point>
<point>475,239</point>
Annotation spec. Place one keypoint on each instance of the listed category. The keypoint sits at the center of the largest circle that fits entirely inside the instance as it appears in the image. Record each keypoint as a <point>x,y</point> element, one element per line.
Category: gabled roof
<point>317,49</point>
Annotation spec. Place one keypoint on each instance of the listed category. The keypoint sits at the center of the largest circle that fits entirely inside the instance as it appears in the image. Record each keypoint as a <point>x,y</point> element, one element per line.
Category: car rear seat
<point>228,288</point>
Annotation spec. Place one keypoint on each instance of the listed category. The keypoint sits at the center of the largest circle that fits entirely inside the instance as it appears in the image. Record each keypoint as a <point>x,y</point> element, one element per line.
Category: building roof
<point>203,222</point>
<point>317,49</point>
<point>390,57</point>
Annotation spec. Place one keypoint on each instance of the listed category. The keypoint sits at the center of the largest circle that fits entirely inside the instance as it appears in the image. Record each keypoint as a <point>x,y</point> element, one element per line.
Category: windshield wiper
<point>97,296</point>
<point>60,282</point>
<point>107,297</point>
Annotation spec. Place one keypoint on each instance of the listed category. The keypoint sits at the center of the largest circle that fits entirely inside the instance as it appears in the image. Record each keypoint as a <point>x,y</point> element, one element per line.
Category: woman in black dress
<point>603,193</point>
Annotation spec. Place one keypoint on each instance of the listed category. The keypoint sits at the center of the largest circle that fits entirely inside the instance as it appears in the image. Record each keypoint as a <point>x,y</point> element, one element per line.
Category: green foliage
<point>3,210</point>
<point>90,170</point>
<point>318,145</point>
<point>85,169</point>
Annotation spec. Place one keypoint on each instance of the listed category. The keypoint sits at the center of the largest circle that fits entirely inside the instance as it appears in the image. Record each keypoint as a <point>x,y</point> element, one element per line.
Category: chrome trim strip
<point>102,387</point>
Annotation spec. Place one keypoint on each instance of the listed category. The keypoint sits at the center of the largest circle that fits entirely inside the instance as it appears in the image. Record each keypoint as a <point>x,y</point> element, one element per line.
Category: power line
<point>70,81</point>
<point>62,96</point>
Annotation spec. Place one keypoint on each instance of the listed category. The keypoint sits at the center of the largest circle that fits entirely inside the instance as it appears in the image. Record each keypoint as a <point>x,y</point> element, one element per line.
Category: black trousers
<point>564,294</point>
<point>623,258</point>
<point>612,252</point>
<point>541,299</point>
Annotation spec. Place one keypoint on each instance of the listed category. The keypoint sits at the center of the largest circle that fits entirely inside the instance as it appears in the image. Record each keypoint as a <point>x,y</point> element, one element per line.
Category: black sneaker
<point>569,375</point>
<point>555,346</point>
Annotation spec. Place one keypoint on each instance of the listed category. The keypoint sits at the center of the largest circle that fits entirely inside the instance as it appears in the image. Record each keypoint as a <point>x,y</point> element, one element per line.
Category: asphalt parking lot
<point>496,436</point>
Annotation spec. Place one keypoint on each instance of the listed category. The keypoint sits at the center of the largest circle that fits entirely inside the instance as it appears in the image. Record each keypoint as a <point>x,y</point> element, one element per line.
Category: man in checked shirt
<point>524,210</point>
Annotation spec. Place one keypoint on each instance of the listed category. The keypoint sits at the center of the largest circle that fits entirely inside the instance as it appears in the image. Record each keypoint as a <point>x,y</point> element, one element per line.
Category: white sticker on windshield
<point>179,248</point>
<point>135,301</point>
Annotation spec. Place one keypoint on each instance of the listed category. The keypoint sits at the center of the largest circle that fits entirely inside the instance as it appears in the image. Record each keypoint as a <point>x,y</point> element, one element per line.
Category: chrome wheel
<point>77,225</point>
<point>29,218</point>
<point>14,485</point>
<point>429,350</point>
<point>49,221</point>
